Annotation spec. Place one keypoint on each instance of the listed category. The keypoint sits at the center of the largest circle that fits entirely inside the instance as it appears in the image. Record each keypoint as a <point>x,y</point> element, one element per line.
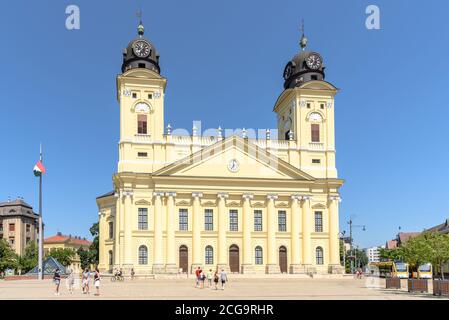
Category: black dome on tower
<point>141,53</point>
<point>304,66</point>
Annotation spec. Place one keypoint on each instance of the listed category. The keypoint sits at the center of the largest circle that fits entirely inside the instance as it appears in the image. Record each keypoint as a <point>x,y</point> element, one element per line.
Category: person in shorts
<point>85,281</point>
<point>70,281</point>
<point>209,278</point>
<point>97,280</point>
<point>223,278</point>
<point>57,281</point>
<point>216,279</point>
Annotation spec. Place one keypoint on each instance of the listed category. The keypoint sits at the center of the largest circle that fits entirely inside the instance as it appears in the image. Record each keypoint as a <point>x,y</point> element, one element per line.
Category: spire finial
<point>303,42</point>
<point>140,28</point>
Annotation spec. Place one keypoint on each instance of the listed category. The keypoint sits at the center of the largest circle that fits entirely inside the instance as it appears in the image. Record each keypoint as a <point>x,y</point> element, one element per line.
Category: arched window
<point>258,255</point>
<point>319,255</point>
<point>209,255</point>
<point>143,255</point>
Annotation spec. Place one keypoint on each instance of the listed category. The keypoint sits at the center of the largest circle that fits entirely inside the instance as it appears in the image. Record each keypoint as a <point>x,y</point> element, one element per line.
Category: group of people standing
<point>216,277</point>
<point>85,281</point>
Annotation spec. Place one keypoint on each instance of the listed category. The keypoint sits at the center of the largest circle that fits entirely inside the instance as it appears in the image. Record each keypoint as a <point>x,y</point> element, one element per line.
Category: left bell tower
<point>140,93</point>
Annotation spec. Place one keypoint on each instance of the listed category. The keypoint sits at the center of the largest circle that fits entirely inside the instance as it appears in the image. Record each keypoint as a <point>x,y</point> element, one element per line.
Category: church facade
<point>245,205</point>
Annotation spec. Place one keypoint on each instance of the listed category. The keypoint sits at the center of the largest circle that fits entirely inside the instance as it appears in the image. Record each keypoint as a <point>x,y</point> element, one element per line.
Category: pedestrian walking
<point>70,281</point>
<point>216,278</point>
<point>85,281</point>
<point>57,281</point>
<point>202,278</point>
<point>97,280</point>
<point>132,273</point>
<point>209,278</point>
<point>223,278</point>
<point>198,275</point>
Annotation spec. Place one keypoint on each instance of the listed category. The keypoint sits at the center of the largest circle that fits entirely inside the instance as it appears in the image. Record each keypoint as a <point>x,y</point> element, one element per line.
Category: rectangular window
<point>282,220</point>
<point>28,228</point>
<point>257,220</point>
<point>316,161</point>
<point>111,230</point>
<point>322,105</point>
<point>315,132</point>
<point>318,221</point>
<point>141,124</point>
<point>208,220</point>
<point>134,95</point>
<point>183,220</point>
<point>308,105</point>
<point>143,219</point>
<point>28,239</point>
<point>11,240</point>
<point>12,227</point>
<point>1,226</point>
<point>150,96</point>
<point>233,220</point>
<point>142,154</point>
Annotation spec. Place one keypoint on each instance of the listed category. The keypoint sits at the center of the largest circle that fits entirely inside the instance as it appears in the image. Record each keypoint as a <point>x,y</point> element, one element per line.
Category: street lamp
<point>351,225</point>
<point>342,238</point>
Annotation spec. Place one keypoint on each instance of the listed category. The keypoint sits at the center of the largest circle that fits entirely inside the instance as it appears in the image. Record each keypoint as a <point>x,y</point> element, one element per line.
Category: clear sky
<point>224,62</point>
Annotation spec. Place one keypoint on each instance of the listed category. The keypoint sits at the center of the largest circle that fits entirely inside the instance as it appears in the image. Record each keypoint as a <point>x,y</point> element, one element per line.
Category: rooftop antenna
<point>303,41</point>
<point>140,28</point>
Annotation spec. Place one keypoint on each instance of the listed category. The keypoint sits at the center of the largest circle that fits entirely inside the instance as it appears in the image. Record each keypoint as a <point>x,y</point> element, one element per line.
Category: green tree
<point>85,257</point>
<point>416,251</point>
<point>8,258</point>
<point>438,253</point>
<point>29,259</point>
<point>64,256</point>
<point>93,249</point>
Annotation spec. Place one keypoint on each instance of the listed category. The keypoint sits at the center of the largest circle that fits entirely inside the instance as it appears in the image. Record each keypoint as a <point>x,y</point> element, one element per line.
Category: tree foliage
<point>30,257</point>
<point>94,251</point>
<point>64,256</point>
<point>8,258</point>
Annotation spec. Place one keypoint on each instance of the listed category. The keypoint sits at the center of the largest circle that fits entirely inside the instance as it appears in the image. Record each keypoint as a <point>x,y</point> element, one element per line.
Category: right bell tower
<point>305,113</point>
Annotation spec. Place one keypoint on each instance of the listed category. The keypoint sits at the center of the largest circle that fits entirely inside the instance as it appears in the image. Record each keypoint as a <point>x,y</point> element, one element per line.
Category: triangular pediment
<point>234,157</point>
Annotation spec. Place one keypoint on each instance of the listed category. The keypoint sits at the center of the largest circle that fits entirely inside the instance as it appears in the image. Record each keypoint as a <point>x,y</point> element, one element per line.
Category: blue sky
<point>224,62</point>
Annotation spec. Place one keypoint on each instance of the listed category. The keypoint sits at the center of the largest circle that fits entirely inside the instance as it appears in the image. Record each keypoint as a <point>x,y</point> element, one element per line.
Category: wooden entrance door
<point>283,259</point>
<point>183,258</point>
<point>234,262</point>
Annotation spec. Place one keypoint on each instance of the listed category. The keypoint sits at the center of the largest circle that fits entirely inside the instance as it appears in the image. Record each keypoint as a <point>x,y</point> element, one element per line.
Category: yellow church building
<point>247,205</point>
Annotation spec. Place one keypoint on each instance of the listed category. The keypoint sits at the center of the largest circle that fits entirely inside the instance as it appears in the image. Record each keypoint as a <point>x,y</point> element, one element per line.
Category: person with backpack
<point>57,281</point>
<point>216,278</point>
<point>223,278</point>
<point>209,278</point>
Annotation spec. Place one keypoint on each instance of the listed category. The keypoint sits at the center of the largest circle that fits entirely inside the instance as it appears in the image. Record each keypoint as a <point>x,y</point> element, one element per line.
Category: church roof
<point>74,240</point>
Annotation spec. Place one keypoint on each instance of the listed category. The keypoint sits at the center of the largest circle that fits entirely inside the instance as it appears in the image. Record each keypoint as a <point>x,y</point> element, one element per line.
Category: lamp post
<point>342,238</point>
<point>351,225</point>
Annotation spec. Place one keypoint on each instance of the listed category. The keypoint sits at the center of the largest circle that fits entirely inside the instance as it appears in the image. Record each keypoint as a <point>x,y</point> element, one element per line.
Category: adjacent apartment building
<point>18,224</point>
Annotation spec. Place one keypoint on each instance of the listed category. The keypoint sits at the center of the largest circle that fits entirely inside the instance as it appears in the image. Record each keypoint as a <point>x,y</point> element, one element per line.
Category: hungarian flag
<point>39,169</point>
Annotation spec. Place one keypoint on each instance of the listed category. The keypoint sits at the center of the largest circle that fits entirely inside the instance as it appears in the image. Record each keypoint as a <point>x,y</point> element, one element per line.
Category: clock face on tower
<point>288,71</point>
<point>141,48</point>
<point>314,61</point>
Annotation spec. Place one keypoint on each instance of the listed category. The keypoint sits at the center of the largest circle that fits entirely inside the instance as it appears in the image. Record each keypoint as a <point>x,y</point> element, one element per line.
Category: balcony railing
<point>316,146</point>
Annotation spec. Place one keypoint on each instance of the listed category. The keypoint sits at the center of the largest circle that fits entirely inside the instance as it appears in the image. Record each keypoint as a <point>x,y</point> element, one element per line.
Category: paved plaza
<point>237,288</point>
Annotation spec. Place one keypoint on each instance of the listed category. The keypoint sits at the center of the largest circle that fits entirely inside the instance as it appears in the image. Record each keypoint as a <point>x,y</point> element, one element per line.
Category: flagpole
<point>41,232</point>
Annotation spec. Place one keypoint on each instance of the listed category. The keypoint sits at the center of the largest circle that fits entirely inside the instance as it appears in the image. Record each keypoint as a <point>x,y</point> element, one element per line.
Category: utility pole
<point>351,241</point>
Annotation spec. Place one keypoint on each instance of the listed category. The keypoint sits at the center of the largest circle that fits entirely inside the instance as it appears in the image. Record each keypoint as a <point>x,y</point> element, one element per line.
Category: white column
<point>306,233</point>
<point>247,266</point>
<point>295,229</point>
<point>222,229</point>
<point>273,259</point>
<point>334,242</point>
<point>196,231</point>
<point>171,266</point>
<point>158,264</point>
<point>128,227</point>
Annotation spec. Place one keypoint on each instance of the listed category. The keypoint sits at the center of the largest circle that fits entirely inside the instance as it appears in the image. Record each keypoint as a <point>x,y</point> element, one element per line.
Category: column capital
<point>335,198</point>
<point>296,197</point>
<point>306,197</point>
<point>222,195</point>
<point>197,194</point>
<point>248,196</point>
<point>158,194</point>
<point>127,193</point>
<point>272,196</point>
<point>170,194</point>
